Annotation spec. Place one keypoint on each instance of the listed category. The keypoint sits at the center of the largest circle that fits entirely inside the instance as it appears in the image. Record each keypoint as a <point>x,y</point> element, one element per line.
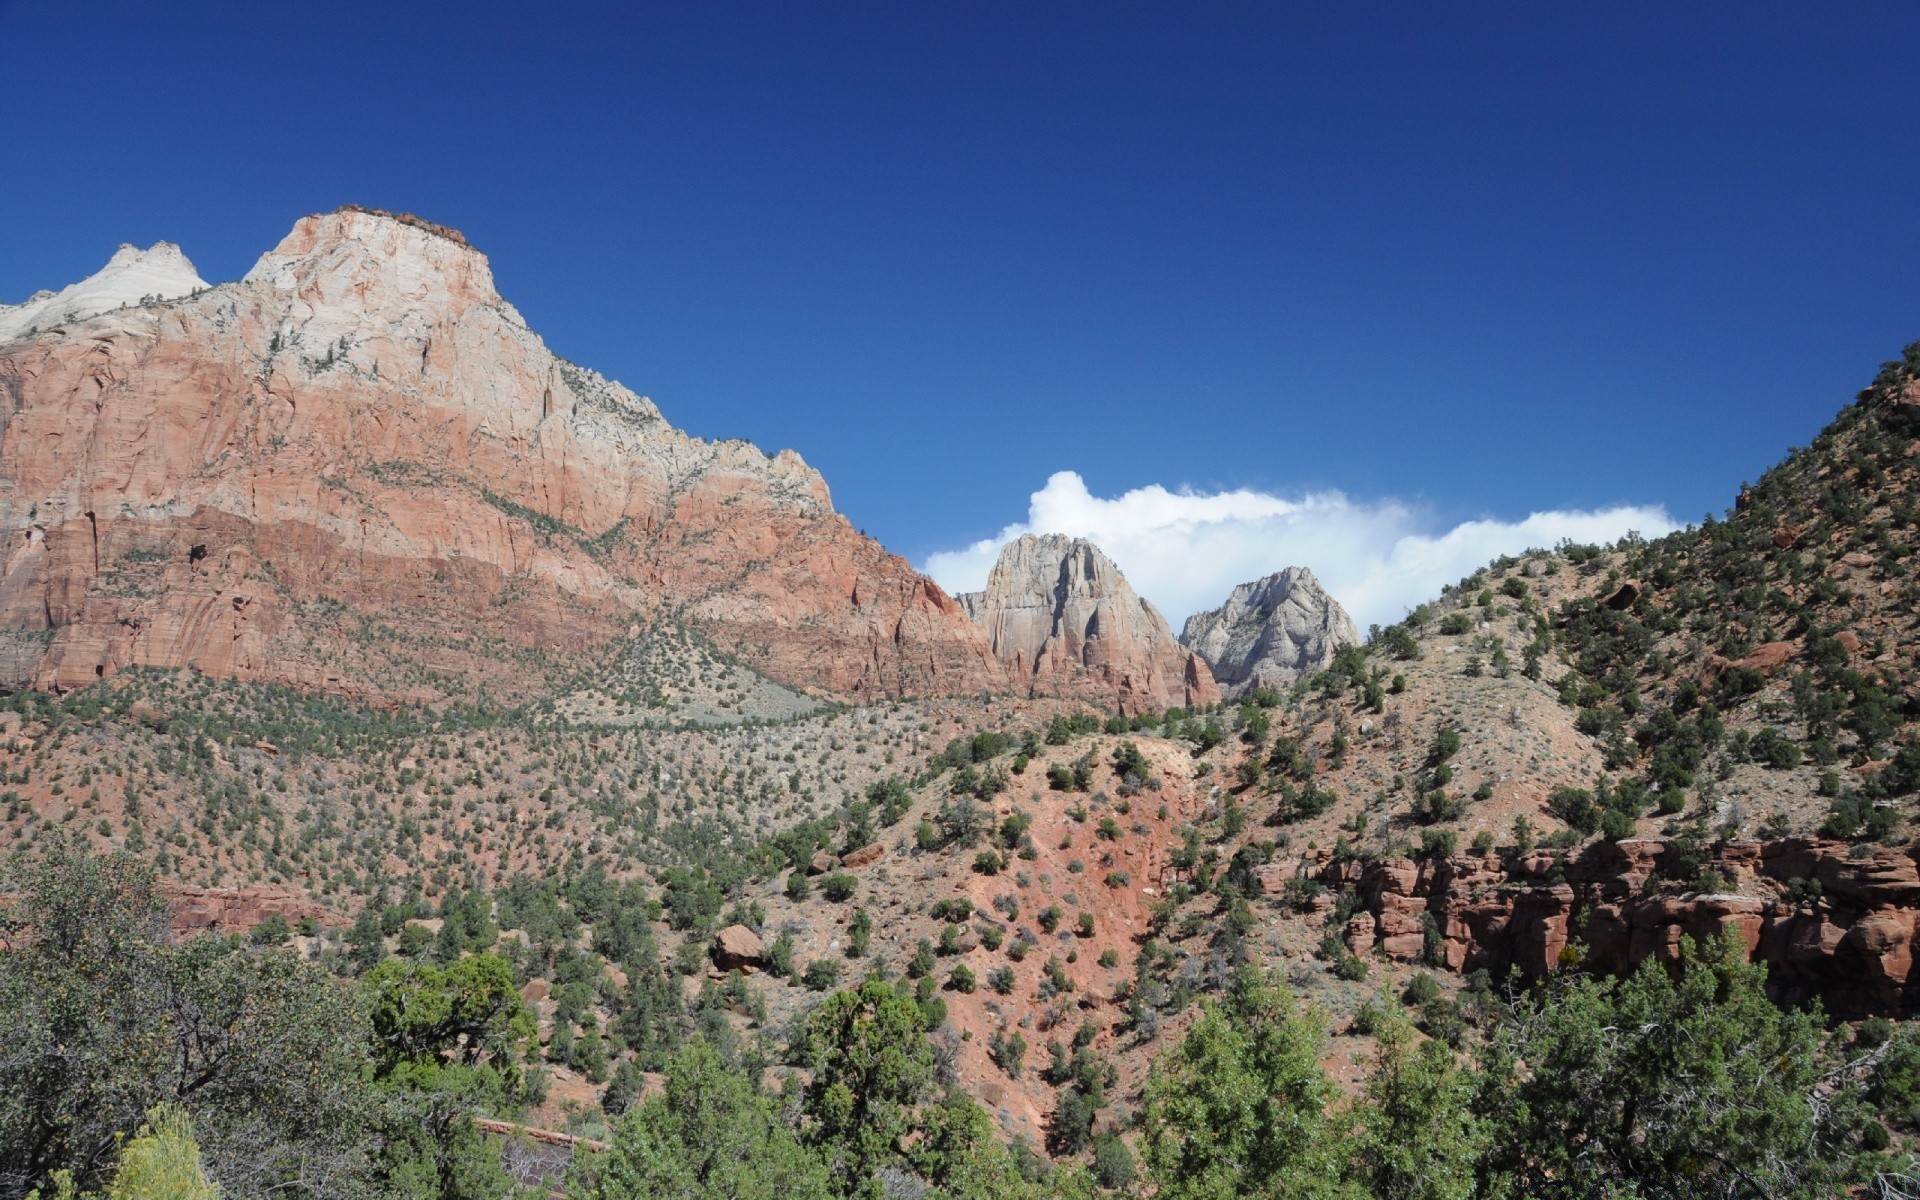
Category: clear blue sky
<point>1488,258</point>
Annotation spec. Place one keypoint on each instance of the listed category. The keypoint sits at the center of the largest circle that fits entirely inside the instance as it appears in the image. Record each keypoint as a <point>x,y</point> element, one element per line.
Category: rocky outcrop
<point>1829,925</point>
<point>1270,632</point>
<point>1060,614</point>
<point>357,469</point>
<point>237,910</point>
<point>737,948</point>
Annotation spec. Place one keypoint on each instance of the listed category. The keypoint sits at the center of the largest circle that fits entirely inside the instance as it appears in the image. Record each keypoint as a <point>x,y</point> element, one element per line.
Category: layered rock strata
<point>1060,614</point>
<point>357,469</point>
<point>1829,925</point>
<point>1270,632</point>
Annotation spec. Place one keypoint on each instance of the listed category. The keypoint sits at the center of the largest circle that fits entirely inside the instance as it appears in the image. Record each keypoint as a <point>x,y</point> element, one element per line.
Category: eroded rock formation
<point>358,469</point>
<point>237,910</point>
<point>1829,925</point>
<point>1270,632</point>
<point>1060,614</point>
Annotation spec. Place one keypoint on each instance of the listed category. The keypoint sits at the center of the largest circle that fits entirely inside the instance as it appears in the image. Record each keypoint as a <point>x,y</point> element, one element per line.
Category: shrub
<point>1008,1051</point>
<point>952,908</point>
<point>780,954</point>
<point>1112,1161</point>
<point>838,886</point>
<point>1771,747</point>
<point>822,974</point>
<point>1421,989</point>
<point>163,1162</point>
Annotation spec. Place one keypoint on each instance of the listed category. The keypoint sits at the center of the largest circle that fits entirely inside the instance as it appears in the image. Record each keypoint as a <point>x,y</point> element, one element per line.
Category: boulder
<point>865,856</point>
<point>1884,941</point>
<point>1769,657</point>
<point>1622,597</point>
<point>737,948</point>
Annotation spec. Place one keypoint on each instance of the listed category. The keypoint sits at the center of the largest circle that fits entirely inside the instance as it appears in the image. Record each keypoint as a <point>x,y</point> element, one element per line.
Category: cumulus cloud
<point>1185,550</point>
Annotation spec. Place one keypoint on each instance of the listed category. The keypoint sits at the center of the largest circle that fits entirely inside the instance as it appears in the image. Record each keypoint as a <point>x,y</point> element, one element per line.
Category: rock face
<point>1060,614</point>
<point>1849,942</point>
<point>1270,632</point>
<point>357,469</point>
<point>237,910</point>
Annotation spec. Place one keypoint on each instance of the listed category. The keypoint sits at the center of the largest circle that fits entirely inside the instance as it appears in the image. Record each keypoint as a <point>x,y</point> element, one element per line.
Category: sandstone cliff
<point>1061,615</point>
<point>358,469</point>
<point>1270,632</point>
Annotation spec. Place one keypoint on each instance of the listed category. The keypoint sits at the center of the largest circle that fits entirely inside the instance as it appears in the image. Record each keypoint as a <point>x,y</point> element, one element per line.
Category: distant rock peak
<point>132,276</point>
<point>380,266</point>
<point>1270,632</point>
<point>1058,611</point>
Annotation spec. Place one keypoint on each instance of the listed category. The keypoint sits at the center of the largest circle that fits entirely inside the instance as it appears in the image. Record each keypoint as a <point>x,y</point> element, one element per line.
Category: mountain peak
<point>380,266</point>
<point>1060,612</point>
<point>406,218</point>
<point>131,276</point>
<point>1270,632</point>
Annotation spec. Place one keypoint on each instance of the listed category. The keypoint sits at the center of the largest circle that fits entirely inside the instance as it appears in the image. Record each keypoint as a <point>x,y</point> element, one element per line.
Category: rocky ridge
<point>356,469</point>
<point>1060,614</point>
<point>1270,632</point>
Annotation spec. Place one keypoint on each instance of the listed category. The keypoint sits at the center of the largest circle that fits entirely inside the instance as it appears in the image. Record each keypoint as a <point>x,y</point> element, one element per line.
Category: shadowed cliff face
<point>357,469</point>
<point>1065,620</point>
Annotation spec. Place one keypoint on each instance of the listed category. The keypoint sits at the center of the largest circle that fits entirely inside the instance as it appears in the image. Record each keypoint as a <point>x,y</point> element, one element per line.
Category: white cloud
<point>1186,550</point>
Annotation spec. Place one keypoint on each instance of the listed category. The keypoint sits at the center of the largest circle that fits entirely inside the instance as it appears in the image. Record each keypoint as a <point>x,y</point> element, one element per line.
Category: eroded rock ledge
<point>1830,923</point>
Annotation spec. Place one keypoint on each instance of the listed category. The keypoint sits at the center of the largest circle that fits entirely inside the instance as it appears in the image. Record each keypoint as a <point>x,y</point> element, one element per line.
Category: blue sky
<point>1453,263</point>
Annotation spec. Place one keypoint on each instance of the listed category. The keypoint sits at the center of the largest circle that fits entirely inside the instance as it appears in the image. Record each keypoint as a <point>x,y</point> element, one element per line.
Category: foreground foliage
<point>134,1066</point>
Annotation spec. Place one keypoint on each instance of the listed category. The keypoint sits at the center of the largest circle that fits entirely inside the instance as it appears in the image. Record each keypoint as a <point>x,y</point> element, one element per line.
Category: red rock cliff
<point>357,468</point>
<point>1828,925</point>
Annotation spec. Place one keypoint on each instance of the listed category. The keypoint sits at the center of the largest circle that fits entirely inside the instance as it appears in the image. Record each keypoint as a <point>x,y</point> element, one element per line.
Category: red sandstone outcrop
<point>1064,618</point>
<point>237,910</point>
<point>358,469</point>
<point>1829,925</point>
